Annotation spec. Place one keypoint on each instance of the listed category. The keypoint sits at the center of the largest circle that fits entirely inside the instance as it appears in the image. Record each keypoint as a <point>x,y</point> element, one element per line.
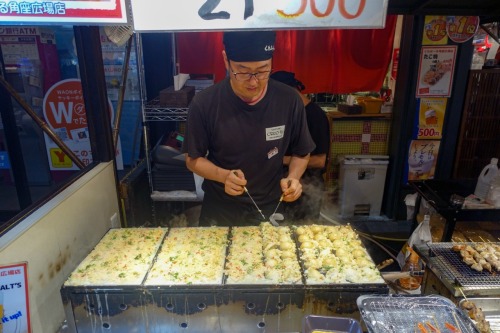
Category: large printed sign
<point>69,11</point>
<point>422,158</point>
<point>435,31</point>
<point>461,28</point>
<point>14,301</point>
<point>435,73</point>
<point>160,15</point>
<point>64,112</point>
<point>431,117</point>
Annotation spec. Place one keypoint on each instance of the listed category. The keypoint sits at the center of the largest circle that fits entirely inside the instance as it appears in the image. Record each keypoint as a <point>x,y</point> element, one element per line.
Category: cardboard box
<point>180,98</point>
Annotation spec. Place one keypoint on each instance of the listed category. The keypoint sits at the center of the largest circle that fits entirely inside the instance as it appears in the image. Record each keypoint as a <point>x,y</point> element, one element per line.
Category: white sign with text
<point>197,15</point>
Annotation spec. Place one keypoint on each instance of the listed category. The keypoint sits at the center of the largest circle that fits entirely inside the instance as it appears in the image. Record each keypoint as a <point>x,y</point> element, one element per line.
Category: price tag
<point>161,15</point>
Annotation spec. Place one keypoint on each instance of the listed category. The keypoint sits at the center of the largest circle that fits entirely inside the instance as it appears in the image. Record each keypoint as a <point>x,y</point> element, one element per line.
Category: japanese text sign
<point>69,11</point>
<point>435,73</point>
<point>422,158</point>
<point>14,301</point>
<point>431,117</point>
<point>186,15</point>
<point>461,28</point>
<point>64,111</point>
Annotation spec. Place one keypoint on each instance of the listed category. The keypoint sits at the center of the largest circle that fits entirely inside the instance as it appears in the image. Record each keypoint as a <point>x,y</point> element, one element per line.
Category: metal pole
<point>121,94</point>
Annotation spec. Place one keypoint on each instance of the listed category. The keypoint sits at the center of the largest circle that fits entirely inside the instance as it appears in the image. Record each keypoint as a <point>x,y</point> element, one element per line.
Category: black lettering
<point>248,8</point>
<point>206,11</point>
<point>4,287</point>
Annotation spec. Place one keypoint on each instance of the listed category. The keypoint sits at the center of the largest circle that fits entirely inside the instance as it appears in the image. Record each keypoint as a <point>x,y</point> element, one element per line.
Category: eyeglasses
<point>264,75</point>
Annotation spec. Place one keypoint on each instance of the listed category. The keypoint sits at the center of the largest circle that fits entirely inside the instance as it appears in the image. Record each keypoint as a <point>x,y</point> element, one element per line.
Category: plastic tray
<point>312,323</point>
<point>386,314</point>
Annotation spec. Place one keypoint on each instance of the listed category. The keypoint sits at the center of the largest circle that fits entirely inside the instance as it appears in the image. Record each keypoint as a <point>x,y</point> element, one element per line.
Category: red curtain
<point>334,61</point>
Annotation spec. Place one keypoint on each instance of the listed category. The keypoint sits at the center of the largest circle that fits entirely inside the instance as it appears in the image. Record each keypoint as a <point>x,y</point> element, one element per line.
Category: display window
<point>41,70</point>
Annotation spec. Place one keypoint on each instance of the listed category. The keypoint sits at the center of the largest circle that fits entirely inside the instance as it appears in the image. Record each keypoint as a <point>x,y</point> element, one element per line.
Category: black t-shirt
<point>252,138</point>
<point>318,125</point>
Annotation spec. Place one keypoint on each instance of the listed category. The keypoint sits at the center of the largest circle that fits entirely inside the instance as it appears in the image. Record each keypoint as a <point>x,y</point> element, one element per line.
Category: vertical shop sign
<point>435,73</point>
<point>154,15</point>
<point>63,11</point>
<point>435,31</point>
<point>461,28</point>
<point>4,160</point>
<point>430,118</point>
<point>14,301</point>
<point>64,111</point>
<point>422,157</point>
<point>395,63</point>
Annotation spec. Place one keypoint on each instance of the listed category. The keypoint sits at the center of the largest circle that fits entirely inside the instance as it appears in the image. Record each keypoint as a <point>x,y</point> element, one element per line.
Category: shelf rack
<point>153,111</point>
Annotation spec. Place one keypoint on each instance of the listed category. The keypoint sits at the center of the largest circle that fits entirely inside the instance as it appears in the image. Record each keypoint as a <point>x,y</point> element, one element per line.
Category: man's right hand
<point>235,183</point>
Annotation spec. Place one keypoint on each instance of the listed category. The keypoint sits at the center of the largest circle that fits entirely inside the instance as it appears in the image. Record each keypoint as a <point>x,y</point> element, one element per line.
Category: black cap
<point>288,78</point>
<point>243,46</point>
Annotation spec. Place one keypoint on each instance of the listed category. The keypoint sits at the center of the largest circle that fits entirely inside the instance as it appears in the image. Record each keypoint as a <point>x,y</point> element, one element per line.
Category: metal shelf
<point>153,111</point>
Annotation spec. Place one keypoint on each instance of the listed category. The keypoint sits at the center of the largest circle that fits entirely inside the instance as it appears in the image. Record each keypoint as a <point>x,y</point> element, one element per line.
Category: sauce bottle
<point>412,266</point>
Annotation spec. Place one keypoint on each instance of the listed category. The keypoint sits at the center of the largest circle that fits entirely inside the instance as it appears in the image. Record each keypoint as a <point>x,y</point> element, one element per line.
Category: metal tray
<point>312,323</point>
<point>386,314</point>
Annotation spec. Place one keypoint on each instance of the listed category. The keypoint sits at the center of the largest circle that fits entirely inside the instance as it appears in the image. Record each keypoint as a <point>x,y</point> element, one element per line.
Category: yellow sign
<point>435,31</point>
<point>431,116</point>
<point>59,159</point>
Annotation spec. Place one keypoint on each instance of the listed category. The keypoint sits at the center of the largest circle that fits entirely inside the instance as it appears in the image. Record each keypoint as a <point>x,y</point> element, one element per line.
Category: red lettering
<point>344,13</point>
<point>60,155</point>
<point>302,8</point>
<point>327,12</point>
<point>329,8</point>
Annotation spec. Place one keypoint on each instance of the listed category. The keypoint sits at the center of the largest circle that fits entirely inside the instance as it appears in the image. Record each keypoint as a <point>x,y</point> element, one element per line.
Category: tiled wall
<point>355,137</point>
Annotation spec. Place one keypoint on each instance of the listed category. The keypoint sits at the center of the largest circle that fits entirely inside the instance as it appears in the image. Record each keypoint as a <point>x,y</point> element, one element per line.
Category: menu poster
<point>422,157</point>
<point>430,117</point>
<point>14,301</point>
<point>435,31</point>
<point>61,11</point>
<point>435,73</point>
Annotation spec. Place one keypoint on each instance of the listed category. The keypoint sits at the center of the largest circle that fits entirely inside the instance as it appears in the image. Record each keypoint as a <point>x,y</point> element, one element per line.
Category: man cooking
<point>238,131</point>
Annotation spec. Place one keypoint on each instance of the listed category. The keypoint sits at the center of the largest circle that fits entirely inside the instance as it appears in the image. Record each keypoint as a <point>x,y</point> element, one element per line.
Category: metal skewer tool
<point>254,203</point>
<point>278,216</point>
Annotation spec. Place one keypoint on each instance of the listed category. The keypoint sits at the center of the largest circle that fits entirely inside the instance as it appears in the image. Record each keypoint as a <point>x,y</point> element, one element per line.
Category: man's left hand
<point>292,189</point>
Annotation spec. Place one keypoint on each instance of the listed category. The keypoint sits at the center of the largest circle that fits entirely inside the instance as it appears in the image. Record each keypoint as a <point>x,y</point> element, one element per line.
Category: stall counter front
<point>194,279</point>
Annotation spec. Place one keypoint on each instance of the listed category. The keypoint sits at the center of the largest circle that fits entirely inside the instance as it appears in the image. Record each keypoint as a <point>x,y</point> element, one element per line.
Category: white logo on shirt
<point>275,133</point>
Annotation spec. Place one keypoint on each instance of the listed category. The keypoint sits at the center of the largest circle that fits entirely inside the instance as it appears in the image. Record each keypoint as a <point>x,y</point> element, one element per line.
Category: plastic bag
<point>410,200</point>
<point>421,235</point>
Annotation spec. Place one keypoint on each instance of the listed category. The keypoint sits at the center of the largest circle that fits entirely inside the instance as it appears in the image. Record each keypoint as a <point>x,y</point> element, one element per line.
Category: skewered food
<point>483,256</point>
<point>477,315</point>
